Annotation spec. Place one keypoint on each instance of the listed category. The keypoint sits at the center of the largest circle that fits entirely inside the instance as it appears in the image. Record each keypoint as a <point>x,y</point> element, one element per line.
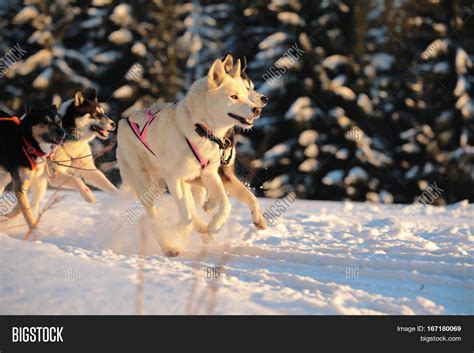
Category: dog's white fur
<point>208,102</point>
<point>73,169</point>
<point>231,183</point>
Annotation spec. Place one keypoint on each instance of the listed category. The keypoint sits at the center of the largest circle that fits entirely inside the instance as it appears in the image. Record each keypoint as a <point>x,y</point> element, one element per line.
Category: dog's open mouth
<point>54,141</point>
<point>102,132</point>
<point>242,120</point>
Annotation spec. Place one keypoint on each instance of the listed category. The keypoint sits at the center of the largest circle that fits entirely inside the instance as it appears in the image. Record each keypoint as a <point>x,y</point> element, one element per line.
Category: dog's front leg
<point>73,182</point>
<point>185,225</point>
<point>238,190</point>
<point>213,183</point>
<point>99,180</point>
<point>38,190</point>
<point>21,184</point>
<point>191,201</point>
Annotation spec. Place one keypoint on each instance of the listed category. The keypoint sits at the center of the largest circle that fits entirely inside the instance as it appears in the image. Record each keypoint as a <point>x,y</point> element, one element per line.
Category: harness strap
<point>202,161</point>
<point>142,135</point>
<point>13,119</point>
<point>31,152</point>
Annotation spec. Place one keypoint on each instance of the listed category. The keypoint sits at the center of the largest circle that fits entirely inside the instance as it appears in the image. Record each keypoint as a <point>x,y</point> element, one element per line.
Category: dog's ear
<point>237,70</point>
<point>244,63</point>
<point>79,98</point>
<point>216,74</point>
<point>228,62</point>
<point>92,95</point>
<point>27,107</point>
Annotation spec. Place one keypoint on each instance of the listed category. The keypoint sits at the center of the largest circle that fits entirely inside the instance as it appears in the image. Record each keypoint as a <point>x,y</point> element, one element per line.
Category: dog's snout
<point>256,111</point>
<point>264,99</point>
<point>60,133</point>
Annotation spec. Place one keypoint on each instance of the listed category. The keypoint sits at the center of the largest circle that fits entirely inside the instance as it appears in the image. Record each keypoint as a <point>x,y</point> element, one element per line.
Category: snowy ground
<point>318,258</point>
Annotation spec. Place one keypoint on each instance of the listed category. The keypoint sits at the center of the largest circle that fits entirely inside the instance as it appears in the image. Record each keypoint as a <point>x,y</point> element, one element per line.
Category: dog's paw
<point>258,220</point>
<point>208,238</point>
<point>200,226</point>
<point>171,253</point>
<point>89,196</point>
<point>215,227</point>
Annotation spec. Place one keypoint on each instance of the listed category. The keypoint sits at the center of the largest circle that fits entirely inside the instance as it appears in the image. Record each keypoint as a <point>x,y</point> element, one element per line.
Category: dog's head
<point>44,125</point>
<point>228,98</point>
<point>84,118</point>
<point>257,98</point>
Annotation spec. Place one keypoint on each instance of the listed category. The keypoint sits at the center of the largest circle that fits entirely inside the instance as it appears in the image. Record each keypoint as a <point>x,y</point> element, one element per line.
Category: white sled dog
<point>72,163</point>
<point>186,142</point>
<point>227,171</point>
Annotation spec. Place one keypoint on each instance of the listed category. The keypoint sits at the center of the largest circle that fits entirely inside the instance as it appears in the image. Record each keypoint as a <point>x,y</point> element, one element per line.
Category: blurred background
<point>370,100</point>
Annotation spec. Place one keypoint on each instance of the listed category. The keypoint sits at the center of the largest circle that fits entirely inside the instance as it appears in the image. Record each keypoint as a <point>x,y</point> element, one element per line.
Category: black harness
<point>224,144</point>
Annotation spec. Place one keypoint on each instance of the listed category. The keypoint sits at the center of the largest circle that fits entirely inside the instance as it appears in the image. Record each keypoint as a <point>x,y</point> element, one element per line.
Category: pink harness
<point>141,135</point>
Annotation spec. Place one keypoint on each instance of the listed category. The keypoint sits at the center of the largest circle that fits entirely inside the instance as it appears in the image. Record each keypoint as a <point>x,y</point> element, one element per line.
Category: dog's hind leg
<point>145,190</point>
<point>126,173</point>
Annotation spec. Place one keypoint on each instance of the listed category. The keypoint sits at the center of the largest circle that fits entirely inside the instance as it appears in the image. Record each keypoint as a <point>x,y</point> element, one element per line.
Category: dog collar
<point>204,131</point>
<point>73,135</point>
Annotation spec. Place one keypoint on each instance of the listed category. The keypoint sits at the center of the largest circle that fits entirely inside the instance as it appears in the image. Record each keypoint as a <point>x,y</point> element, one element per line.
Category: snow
<point>291,18</point>
<point>122,15</point>
<point>317,258</point>
<point>311,151</point>
<point>334,177</point>
<point>364,102</point>
<point>139,49</point>
<point>334,61</point>
<point>309,165</point>
<point>273,40</point>
<point>307,137</point>
<point>28,13</point>
<point>345,92</point>
<point>382,61</point>
<point>356,174</point>
<point>123,92</point>
<point>435,49</point>
<point>301,109</point>
<point>441,67</point>
<point>463,62</point>
<point>276,152</point>
<point>121,36</point>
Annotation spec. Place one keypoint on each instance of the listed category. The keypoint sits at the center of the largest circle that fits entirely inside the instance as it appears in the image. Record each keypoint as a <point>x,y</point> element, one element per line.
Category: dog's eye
<point>234,97</point>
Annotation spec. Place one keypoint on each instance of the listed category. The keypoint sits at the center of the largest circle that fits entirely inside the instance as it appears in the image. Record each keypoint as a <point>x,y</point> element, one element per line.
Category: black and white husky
<point>24,147</point>
<point>73,163</point>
